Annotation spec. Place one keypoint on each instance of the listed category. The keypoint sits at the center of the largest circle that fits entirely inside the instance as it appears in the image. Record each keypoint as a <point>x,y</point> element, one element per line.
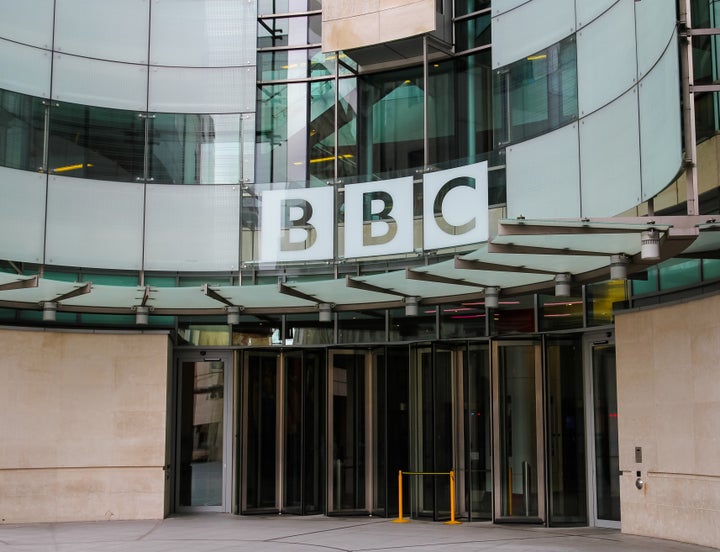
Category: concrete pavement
<point>225,533</point>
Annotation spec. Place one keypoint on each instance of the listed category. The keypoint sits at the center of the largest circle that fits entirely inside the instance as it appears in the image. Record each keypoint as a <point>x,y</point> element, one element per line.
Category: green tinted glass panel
<point>679,273</point>
<point>96,142</point>
<point>645,285</point>
<point>22,120</point>
<point>711,269</point>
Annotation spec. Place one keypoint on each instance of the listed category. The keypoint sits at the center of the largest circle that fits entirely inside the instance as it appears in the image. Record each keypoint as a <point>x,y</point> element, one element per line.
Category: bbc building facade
<point>259,257</point>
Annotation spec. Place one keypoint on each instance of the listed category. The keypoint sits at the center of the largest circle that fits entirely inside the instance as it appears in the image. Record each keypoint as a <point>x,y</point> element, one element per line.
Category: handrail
<point>451,473</point>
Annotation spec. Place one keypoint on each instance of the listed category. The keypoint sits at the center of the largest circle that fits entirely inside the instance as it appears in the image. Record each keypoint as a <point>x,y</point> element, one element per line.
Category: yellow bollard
<point>452,521</point>
<point>400,518</point>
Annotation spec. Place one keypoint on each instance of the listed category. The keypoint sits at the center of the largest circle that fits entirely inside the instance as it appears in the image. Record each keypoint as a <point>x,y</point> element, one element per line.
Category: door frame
<point>197,356</point>
<point>590,340</point>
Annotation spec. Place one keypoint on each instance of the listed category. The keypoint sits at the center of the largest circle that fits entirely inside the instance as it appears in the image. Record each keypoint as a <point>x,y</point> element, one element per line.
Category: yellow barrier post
<point>452,521</point>
<point>400,518</point>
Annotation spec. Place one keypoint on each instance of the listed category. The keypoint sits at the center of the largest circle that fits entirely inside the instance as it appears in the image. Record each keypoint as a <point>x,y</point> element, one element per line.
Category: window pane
<point>282,133</point>
<point>21,131</point>
<point>195,149</point>
<point>541,91</point>
<point>558,313</point>
<point>472,33</point>
<point>96,142</point>
<point>640,287</point>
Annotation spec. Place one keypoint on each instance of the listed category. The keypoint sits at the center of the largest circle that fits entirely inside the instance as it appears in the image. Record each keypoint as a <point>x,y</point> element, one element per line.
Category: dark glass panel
<point>293,438</point>
<point>314,430</point>
<point>514,315</point>
<point>404,328</point>
<point>607,459</point>
<point>463,320</point>
<point>560,313</point>
<point>22,123</point>
<point>474,112</point>
<point>361,327</point>
<point>464,7</point>
<point>478,414</point>
<point>473,33</point>
<point>390,130</point>
<point>261,431</point>
<point>566,427</point>
<point>96,142</point>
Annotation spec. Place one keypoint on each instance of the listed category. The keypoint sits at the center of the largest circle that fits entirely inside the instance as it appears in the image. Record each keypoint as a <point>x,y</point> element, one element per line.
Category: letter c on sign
<point>444,225</point>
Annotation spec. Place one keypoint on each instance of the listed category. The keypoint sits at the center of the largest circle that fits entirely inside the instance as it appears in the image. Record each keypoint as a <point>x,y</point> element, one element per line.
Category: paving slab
<point>229,533</point>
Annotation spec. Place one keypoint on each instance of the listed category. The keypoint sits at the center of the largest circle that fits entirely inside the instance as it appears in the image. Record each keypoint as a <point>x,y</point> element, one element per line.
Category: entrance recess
<point>518,432</point>
<point>604,465</point>
<point>282,432</point>
<point>204,450</point>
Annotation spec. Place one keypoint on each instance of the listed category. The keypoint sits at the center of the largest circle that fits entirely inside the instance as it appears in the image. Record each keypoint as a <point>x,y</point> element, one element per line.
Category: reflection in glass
<point>96,142</point>
<point>464,7</point>
<point>537,94</point>
<point>201,433</point>
<point>517,426</point>
<point>21,131</point>
<point>282,130</point>
<point>557,313</point>
<point>195,149</point>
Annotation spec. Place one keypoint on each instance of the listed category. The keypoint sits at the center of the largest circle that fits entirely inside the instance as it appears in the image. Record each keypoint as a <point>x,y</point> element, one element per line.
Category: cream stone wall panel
<point>339,9</point>
<point>84,422</point>
<point>669,403</point>
<point>348,25</point>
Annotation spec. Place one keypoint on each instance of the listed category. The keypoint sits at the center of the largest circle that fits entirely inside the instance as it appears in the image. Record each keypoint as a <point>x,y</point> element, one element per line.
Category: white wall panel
<point>27,21</point>
<point>543,175</point>
<point>660,136</point>
<point>105,29</point>
<point>25,69</point>
<point>587,10</point>
<point>655,24</point>
<point>194,228</point>
<point>501,6</point>
<point>607,66</point>
<point>94,223</point>
<point>22,215</point>
<point>212,33</point>
<point>610,158</point>
<point>530,28</point>
<point>99,83</point>
<point>202,90</point>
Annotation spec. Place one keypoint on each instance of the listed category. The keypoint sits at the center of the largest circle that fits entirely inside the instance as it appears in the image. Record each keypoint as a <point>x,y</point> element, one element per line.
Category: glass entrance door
<point>203,428</point>
<point>518,432</point>
<point>282,432</point>
<point>604,465</point>
<point>349,421</point>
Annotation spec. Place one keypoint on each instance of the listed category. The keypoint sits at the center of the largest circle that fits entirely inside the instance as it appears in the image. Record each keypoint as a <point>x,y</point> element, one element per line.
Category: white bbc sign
<point>298,224</point>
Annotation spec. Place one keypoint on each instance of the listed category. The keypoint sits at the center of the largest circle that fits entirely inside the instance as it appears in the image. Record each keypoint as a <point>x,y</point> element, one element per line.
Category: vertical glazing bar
<point>426,143</point>
<point>687,77</point>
